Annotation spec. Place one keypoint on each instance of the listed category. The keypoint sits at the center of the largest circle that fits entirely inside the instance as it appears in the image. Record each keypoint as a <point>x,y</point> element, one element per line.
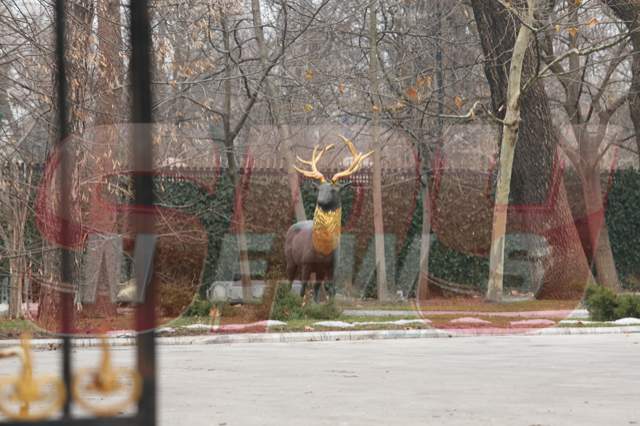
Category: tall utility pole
<point>378,224</point>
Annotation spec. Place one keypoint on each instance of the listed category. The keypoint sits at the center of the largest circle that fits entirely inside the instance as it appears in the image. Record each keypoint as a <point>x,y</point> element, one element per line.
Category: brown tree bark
<point>585,156</point>
<point>535,152</point>
<point>77,38</point>
<point>629,12</point>
<point>111,70</point>
<point>239,224</point>
<point>381,269</point>
<point>598,230</point>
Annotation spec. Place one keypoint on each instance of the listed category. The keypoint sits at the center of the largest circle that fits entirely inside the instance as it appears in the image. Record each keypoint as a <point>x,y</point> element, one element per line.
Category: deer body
<point>312,246</point>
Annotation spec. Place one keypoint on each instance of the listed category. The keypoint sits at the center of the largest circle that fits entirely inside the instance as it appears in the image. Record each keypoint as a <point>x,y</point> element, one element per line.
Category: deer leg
<point>305,274</point>
<point>316,292</point>
<point>292,270</point>
<point>317,285</point>
<point>330,288</point>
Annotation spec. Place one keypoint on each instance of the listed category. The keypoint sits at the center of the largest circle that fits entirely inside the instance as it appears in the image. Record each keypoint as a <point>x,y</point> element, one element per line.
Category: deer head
<point>329,191</point>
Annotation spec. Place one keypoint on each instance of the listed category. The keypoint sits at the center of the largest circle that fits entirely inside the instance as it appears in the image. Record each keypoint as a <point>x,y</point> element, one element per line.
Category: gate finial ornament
<point>105,380</point>
<point>27,390</point>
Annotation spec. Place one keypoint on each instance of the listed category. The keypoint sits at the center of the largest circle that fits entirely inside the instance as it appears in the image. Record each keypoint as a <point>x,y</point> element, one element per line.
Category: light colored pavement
<point>519,380</point>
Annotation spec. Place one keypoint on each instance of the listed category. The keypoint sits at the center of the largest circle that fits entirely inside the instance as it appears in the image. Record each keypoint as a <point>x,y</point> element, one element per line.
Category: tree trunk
<point>629,12</point>
<point>16,280</point>
<point>598,231</point>
<point>423,291</point>
<point>507,152</point>
<point>426,156</point>
<point>238,181</point>
<point>534,154</point>
<point>378,224</point>
<point>108,108</point>
<point>276,115</point>
<point>77,37</point>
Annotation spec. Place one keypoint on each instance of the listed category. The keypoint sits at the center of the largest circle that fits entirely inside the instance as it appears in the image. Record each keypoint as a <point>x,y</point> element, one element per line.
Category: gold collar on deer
<point>326,230</point>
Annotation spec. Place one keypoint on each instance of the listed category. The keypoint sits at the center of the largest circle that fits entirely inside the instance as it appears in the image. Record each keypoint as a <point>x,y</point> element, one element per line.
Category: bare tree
<point>629,12</point>
<point>589,113</point>
<point>511,124</point>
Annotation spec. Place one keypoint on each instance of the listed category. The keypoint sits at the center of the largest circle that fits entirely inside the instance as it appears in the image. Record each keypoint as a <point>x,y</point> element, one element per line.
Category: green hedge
<point>444,263</point>
<point>623,220</point>
<point>622,215</point>
<point>215,211</point>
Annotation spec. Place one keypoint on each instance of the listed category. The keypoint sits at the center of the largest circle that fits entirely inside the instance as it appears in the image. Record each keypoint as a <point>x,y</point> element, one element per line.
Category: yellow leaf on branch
<point>308,75</point>
<point>573,32</point>
<point>412,93</point>
<point>424,81</point>
<point>459,102</point>
<point>308,107</point>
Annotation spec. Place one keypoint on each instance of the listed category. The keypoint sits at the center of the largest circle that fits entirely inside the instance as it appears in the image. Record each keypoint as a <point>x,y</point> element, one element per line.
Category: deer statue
<point>312,246</point>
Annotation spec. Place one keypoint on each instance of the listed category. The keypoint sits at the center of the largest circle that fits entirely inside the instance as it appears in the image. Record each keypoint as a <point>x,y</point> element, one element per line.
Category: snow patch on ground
<point>121,333</point>
<point>621,321</point>
<point>337,324</point>
<point>197,326</point>
<point>270,323</point>
<point>398,322</point>
<point>627,321</point>
<point>469,320</point>
<point>240,327</point>
<point>532,322</point>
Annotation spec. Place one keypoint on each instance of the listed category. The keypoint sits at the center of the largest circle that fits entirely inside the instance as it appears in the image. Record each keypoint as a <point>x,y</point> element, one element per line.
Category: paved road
<point>542,380</point>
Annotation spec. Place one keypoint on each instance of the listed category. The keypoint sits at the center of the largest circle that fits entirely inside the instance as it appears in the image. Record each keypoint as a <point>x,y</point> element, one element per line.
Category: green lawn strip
<point>10,329</point>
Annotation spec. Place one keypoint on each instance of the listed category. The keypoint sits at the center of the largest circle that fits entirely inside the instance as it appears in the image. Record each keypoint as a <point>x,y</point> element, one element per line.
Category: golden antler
<point>315,157</point>
<point>356,161</point>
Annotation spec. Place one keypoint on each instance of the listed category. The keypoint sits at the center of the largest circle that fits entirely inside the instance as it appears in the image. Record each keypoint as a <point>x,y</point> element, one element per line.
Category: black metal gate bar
<point>142,150</point>
<point>66,302</point>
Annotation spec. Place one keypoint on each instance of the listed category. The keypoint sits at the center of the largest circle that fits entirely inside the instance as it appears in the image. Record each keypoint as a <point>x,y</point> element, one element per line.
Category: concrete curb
<point>330,336</point>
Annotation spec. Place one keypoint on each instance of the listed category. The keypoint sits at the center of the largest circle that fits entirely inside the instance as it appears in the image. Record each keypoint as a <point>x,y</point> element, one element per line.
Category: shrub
<point>601,303</point>
<point>324,311</point>
<point>286,305</point>
<point>628,306</point>
<point>604,305</point>
<point>198,308</point>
